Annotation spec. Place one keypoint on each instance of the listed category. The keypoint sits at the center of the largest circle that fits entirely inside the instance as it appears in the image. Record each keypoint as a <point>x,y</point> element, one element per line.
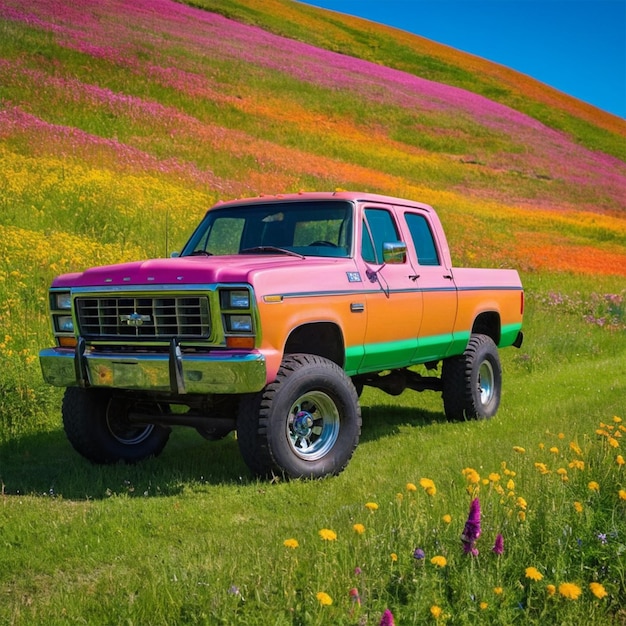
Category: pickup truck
<point>269,322</point>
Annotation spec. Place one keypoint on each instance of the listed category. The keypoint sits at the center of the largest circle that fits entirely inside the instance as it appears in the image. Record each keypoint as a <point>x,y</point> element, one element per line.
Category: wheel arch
<point>323,339</point>
<point>488,323</point>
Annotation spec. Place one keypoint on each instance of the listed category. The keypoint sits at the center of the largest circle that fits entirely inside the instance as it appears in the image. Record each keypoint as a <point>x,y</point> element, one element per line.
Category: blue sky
<point>576,46</point>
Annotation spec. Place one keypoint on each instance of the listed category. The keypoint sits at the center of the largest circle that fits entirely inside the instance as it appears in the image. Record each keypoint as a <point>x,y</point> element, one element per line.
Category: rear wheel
<point>97,425</point>
<point>306,423</point>
<point>472,382</point>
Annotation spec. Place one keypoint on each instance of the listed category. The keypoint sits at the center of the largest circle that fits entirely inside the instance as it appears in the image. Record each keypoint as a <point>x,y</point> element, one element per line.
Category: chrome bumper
<point>175,372</point>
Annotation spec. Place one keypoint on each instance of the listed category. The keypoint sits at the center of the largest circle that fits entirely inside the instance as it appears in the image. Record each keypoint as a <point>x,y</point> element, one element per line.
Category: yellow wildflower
<point>498,591</point>
<point>428,485</point>
<point>521,516</point>
<point>521,503</point>
<point>291,543</point>
<point>372,506</point>
<point>554,450</point>
<point>619,459</point>
<point>519,449</point>
<point>483,606</point>
<point>570,591</point>
<point>614,443</point>
<point>598,590</point>
<point>510,485</point>
<point>494,477</point>
<point>622,494</point>
<point>616,419</point>
<point>574,447</point>
<point>533,573</point>
<point>447,518</point>
<point>578,506</point>
<point>328,535</point>
<point>394,557</point>
<point>359,528</point>
<point>577,464</point>
<point>551,589</point>
<point>435,611</point>
<point>323,598</point>
<point>411,487</point>
<point>439,561</point>
<point>471,475</point>
<point>593,485</point>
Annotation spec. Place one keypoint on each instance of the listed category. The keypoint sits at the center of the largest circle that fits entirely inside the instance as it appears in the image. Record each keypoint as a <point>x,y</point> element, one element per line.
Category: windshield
<point>300,228</point>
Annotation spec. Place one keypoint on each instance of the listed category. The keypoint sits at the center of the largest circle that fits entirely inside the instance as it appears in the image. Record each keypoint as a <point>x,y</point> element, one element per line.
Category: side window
<point>378,228</point>
<point>422,239</point>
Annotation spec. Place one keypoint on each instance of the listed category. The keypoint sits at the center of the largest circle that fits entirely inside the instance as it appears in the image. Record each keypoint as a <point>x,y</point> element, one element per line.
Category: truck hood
<point>194,270</point>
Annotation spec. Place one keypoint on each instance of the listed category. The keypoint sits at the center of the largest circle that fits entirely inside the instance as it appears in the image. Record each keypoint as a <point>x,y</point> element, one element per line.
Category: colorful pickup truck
<point>269,322</point>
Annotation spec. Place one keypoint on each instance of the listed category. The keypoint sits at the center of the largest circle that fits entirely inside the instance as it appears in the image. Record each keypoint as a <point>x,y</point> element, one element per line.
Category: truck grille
<point>184,317</point>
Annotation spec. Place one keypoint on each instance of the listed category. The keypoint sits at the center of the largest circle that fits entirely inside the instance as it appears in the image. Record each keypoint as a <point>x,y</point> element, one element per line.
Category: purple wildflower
<point>471,532</point>
<point>498,546</point>
<point>387,618</point>
<point>419,554</point>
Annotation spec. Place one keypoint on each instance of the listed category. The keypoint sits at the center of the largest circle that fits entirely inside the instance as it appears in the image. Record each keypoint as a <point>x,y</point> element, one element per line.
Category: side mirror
<point>394,252</point>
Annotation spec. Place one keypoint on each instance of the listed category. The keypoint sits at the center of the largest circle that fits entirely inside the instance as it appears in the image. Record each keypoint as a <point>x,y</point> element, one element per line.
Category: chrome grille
<point>184,317</point>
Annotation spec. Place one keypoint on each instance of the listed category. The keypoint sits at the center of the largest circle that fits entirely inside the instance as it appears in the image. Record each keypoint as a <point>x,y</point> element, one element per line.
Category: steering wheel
<point>323,242</point>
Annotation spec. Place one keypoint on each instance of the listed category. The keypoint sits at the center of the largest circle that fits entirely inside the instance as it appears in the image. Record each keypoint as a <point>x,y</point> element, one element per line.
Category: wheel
<point>98,427</point>
<point>472,382</point>
<point>306,423</point>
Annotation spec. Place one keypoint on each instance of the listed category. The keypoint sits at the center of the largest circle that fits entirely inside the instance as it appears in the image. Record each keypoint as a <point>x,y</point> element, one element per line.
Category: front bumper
<point>173,371</point>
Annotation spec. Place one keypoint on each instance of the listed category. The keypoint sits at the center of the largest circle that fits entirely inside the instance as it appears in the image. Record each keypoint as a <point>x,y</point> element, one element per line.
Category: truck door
<point>435,283</point>
<point>393,304</point>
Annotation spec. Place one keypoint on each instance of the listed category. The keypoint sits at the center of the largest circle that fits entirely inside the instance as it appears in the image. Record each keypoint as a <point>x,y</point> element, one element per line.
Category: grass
<point>104,161</point>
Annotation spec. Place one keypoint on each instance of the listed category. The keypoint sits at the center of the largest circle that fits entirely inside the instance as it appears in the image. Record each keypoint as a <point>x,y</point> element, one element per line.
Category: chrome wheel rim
<point>313,425</point>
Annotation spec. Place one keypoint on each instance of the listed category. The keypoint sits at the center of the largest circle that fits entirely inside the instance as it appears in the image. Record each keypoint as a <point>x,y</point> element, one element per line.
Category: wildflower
<point>494,477</point>
<point>418,554</point>
<point>542,467</point>
<point>616,419</point>
<point>554,450</point>
<point>574,447</point>
<point>519,449</point>
<point>510,484</point>
<point>394,557</point>
<point>439,561</point>
<point>602,538</point>
<point>498,546</point>
<point>471,532</point>
<point>614,443</point>
<point>328,535</point>
<point>622,494</point>
<point>578,507</point>
<point>498,591</point>
<point>533,573</point>
<point>429,486</point>
<point>357,571</point>
<point>359,528</point>
<point>323,598</point>
<point>521,503</point>
<point>435,611</point>
<point>447,518</point>
<point>521,516</point>
<point>411,487</point>
<point>291,543</point>
<point>570,591</point>
<point>233,590</point>
<point>598,590</point>
<point>471,475</point>
<point>387,618</point>
<point>354,595</point>
<point>593,485</point>
<point>483,606</point>
<point>551,589</point>
<point>619,459</point>
<point>577,464</point>
<point>372,506</point>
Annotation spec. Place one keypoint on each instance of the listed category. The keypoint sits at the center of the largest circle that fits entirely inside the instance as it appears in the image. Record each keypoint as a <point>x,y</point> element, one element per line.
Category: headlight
<point>62,300</point>
<point>239,323</point>
<point>64,324</point>
<point>236,299</point>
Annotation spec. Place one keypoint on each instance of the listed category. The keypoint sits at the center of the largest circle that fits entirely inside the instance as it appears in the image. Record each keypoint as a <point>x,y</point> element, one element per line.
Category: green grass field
<point>117,132</point>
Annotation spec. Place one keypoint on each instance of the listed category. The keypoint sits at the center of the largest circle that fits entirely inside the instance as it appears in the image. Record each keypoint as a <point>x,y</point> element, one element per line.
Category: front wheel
<point>306,423</point>
<point>472,382</point>
<point>98,427</point>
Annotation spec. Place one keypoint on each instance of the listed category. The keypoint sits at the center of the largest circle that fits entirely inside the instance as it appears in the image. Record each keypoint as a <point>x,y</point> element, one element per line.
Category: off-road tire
<point>306,424</point>
<point>96,425</point>
<point>472,382</point>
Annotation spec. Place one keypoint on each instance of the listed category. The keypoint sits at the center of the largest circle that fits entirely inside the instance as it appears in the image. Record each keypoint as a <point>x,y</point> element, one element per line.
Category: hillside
<point>121,123</point>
